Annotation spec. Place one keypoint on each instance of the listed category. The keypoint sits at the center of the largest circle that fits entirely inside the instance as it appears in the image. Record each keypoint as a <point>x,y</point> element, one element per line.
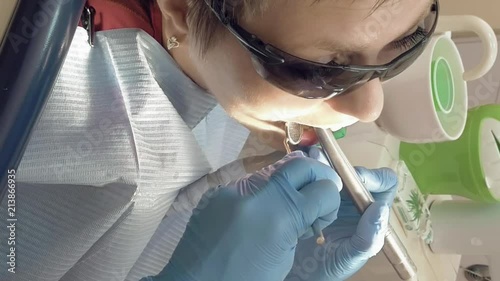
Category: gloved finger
<point>382,183</point>
<point>368,239</point>
<point>316,153</point>
<point>299,172</point>
<point>289,180</point>
<point>254,182</point>
<point>348,254</point>
<point>266,172</point>
<point>320,203</point>
<point>377,180</point>
<point>308,234</point>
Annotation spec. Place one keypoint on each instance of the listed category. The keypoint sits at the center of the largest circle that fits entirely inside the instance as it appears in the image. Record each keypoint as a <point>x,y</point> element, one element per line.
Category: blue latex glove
<point>249,230</point>
<point>352,239</point>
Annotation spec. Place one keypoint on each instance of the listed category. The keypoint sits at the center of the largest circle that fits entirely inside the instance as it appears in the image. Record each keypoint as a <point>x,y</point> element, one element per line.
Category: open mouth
<point>300,135</point>
<point>308,137</point>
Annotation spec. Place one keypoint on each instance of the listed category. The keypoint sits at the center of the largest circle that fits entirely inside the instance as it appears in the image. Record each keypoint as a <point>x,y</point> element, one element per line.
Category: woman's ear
<point>175,16</point>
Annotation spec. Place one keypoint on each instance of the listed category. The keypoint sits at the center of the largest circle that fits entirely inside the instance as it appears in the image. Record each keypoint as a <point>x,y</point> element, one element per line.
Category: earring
<point>172,43</point>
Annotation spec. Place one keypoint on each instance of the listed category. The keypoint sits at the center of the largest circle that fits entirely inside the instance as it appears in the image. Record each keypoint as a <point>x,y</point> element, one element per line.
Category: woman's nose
<point>365,102</point>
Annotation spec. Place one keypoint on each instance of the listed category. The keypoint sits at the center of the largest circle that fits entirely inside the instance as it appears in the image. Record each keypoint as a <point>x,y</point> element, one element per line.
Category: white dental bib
<point>122,133</point>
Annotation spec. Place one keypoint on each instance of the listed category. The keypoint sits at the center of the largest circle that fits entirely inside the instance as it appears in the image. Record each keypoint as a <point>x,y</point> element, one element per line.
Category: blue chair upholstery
<point>31,56</point>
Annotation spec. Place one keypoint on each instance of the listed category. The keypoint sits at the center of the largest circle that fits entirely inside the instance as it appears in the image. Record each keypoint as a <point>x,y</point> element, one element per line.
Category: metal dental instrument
<point>393,248</point>
<point>294,133</point>
<point>318,233</point>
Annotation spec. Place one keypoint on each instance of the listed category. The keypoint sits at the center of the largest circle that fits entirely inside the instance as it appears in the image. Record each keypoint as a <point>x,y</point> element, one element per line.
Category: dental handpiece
<point>393,248</point>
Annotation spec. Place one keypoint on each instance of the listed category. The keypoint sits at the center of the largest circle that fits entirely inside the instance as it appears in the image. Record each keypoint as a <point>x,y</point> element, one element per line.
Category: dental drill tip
<point>320,238</point>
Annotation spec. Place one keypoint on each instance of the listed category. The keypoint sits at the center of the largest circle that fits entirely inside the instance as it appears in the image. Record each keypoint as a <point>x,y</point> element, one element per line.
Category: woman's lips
<point>308,138</point>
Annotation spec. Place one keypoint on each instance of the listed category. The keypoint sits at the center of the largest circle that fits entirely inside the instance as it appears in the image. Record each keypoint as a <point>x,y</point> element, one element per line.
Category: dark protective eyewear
<point>313,80</point>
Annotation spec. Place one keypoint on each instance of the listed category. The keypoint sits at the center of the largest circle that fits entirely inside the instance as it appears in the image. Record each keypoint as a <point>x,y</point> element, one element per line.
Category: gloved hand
<point>249,230</point>
<point>352,239</point>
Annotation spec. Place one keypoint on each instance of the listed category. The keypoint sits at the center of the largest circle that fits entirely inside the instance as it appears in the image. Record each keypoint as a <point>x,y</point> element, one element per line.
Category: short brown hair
<point>206,28</point>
